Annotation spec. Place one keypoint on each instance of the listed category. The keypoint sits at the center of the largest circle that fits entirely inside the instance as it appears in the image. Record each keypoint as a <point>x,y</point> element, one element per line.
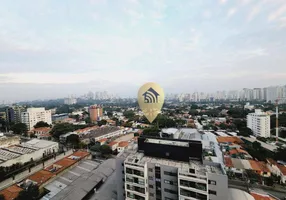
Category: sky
<point>52,48</point>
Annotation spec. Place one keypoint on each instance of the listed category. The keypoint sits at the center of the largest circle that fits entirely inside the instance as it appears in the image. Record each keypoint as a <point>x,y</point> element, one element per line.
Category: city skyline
<point>51,49</point>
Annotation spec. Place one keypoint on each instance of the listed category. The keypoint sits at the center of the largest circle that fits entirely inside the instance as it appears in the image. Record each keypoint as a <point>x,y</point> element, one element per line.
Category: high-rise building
<point>259,123</point>
<point>95,112</point>
<point>272,94</point>
<point>13,114</point>
<point>169,169</point>
<point>70,101</point>
<point>257,93</point>
<point>34,115</point>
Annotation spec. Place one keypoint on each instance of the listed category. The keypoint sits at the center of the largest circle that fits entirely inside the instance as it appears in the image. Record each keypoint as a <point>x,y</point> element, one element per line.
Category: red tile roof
<point>11,192</point>
<point>42,129</point>
<point>271,161</point>
<point>228,162</point>
<point>102,140</point>
<point>261,197</point>
<point>41,177</point>
<point>233,139</point>
<point>123,144</point>
<point>80,154</point>
<point>259,166</point>
<point>112,143</point>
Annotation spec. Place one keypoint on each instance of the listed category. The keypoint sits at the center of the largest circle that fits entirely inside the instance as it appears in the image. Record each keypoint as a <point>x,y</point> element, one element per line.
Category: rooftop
<point>11,192</point>
<point>123,144</point>
<point>140,159</point>
<point>229,139</point>
<point>79,181</point>
<point>41,177</point>
<point>100,132</point>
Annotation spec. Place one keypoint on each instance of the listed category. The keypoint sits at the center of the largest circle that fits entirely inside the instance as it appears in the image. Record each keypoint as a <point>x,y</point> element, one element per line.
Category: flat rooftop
<point>167,142</point>
<point>80,180</point>
<point>141,159</point>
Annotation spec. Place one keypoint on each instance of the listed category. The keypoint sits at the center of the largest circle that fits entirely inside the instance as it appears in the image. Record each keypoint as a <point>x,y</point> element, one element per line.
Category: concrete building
<point>70,101</point>
<point>21,153</point>
<point>33,115</point>
<point>272,94</point>
<point>169,169</point>
<point>59,117</point>
<point>13,114</point>
<point>259,123</point>
<point>95,113</point>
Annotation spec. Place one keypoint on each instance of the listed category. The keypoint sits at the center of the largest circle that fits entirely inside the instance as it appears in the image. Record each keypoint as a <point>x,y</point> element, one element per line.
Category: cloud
<point>222,1</point>
<point>276,14</point>
<point>231,12</point>
<point>254,11</point>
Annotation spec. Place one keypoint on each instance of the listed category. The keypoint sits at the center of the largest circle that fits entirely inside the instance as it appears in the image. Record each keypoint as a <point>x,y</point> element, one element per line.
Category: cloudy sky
<point>52,48</point>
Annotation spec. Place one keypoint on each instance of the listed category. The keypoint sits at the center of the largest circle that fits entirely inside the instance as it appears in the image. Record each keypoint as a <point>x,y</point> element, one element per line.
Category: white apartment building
<point>33,115</point>
<point>259,123</point>
<point>167,169</point>
<point>70,101</point>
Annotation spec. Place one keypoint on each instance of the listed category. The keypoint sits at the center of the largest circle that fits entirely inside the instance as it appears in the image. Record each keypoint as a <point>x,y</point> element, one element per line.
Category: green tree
<point>31,192</point>
<point>245,132</point>
<point>19,128</point>
<point>73,140</point>
<point>105,149</point>
<point>95,148</point>
<point>109,114</point>
<point>194,106</point>
<point>151,132</point>
<point>62,128</point>
<point>129,114</point>
<point>256,145</point>
<point>101,122</point>
<point>41,124</point>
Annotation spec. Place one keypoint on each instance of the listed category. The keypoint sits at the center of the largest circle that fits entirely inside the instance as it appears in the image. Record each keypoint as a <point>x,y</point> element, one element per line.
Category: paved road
<point>108,190</point>
<point>26,173</point>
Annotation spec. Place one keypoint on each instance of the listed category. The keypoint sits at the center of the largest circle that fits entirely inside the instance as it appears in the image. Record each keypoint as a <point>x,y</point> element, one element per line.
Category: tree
<point>129,114</point>
<point>109,114</point>
<point>151,132</point>
<point>245,132</point>
<point>19,128</point>
<point>95,148</point>
<point>41,124</point>
<point>31,192</point>
<point>101,122</point>
<point>62,128</point>
<point>256,145</point>
<point>105,149</point>
<point>73,140</point>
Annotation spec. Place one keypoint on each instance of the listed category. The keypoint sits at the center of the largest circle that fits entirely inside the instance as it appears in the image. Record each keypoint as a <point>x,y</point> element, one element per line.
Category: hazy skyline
<point>51,49</point>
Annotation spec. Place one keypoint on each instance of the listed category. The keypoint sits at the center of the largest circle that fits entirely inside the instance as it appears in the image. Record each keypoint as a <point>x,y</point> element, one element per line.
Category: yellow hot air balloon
<point>151,99</point>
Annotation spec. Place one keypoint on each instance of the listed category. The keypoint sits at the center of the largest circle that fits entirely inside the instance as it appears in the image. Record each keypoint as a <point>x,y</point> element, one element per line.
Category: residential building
<point>272,94</point>
<point>34,115</point>
<point>70,101</point>
<point>95,113</point>
<point>59,117</point>
<point>160,168</point>
<point>259,123</point>
<point>13,114</point>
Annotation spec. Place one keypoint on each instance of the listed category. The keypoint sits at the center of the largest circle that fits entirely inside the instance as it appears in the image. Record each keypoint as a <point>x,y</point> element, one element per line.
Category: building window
<point>211,182</point>
<point>170,191</point>
<point>212,192</point>
<point>150,170</point>
<point>170,173</point>
<point>151,178</point>
<point>151,195</point>
<point>151,186</point>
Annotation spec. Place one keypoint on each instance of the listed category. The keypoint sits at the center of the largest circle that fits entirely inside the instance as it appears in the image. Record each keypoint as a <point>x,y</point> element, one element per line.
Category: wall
<point>221,186</point>
<point>119,178</point>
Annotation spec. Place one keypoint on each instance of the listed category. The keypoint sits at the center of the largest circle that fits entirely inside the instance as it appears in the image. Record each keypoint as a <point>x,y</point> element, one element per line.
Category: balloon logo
<point>151,100</point>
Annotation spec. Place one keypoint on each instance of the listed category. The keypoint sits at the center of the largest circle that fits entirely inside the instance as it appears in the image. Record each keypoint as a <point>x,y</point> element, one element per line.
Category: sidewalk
<point>24,174</point>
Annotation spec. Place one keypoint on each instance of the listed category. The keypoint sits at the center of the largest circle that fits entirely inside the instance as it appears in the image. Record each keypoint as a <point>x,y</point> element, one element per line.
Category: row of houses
<point>44,176</point>
<point>238,160</point>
